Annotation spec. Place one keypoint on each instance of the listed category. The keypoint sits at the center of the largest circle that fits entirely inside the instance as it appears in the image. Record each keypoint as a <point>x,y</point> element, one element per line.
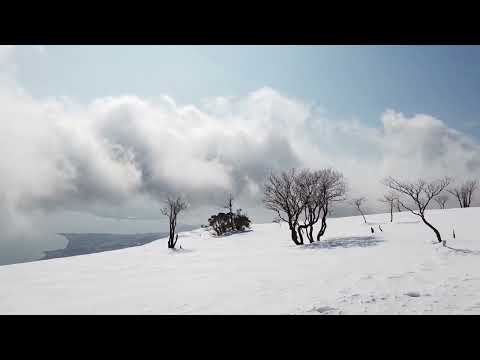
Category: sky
<point>93,137</point>
<point>346,81</point>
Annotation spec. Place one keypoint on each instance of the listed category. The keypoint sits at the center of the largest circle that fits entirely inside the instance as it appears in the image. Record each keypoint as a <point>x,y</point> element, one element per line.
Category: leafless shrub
<point>421,193</point>
<point>174,205</point>
<point>330,187</point>
<point>358,202</point>
<point>303,197</point>
<point>464,193</point>
<point>390,199</point>
<point>441,200</point>
<point>283,195</point>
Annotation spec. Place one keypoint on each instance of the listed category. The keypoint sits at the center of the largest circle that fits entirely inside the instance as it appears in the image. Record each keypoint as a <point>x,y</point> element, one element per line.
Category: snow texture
<point>402,270</point>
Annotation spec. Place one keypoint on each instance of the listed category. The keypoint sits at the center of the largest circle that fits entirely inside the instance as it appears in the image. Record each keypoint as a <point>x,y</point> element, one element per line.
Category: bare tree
<point>332,188</point>
<point>421,192</point>
<point>329,187</point>
<point>308,183</point>
<point>174,205</point>
<point>281,194</point>
<point>302,198</point>
<point>441,200</point>
<point>390,198</point>
<point>397,205</point>
<point>470,187</point>
<point>358,205</point>
<point>287,194</point>
<point>229,205</point>
<point>465,192</point>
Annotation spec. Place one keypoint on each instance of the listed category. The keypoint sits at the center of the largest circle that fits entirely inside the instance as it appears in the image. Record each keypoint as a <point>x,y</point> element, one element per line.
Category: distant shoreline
<point>89,243</point>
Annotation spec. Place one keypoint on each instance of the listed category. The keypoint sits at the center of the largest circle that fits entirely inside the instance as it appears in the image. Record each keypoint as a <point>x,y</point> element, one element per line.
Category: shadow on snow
<point>345,242</point>
<point>229,233</point>
<point>392,223</point>
<point>464,251</point>
<point>179,251</point>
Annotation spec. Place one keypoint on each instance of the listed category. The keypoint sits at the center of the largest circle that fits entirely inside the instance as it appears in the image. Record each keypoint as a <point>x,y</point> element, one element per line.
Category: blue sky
<point>345,81</point>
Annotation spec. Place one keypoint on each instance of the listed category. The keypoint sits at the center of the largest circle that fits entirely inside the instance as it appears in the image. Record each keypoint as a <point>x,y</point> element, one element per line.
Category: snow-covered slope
<point>400,270</point>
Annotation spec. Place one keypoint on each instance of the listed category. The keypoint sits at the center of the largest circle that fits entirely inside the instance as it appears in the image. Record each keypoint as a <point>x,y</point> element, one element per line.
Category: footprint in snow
<point>413,294</point>
<point>395,277</point>
<point>474,307</point>
<point>323,309</point>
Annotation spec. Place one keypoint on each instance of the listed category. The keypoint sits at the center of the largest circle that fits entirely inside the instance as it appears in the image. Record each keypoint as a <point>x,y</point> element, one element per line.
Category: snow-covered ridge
<point>400,270</point>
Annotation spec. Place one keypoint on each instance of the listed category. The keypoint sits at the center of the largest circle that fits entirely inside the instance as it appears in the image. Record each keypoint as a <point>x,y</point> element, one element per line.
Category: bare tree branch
<point>421,193</point>
<point>357,202</point>
<point>390,198</point>
<point>441,200</point>
<point>174,205</point>
<point>301,198</point>
<point>464,193</point>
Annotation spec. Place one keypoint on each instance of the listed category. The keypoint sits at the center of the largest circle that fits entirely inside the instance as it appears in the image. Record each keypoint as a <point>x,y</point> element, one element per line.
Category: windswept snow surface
<point>401,270</point>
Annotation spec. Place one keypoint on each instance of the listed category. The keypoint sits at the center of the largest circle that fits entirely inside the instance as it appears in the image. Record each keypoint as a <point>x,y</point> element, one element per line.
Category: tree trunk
<point>460,201</point>
<point>322,228</point>
<point>293,233</point>
<point>171,234</point>
<point>363,217</point>
<point>437,233</point>
<point>300,234</point>
<point>176,239</point>
<point>310,236</point>
<point>324,225</point>
<point>391,213</point>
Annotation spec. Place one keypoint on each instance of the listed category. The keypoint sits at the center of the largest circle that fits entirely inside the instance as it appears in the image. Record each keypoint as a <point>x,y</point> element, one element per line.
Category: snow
<point>401,270</point>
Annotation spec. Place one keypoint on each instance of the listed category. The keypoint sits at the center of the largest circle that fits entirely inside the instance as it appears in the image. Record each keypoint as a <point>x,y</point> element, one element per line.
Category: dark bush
<point>226,222</point>
<point>241,222</point>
